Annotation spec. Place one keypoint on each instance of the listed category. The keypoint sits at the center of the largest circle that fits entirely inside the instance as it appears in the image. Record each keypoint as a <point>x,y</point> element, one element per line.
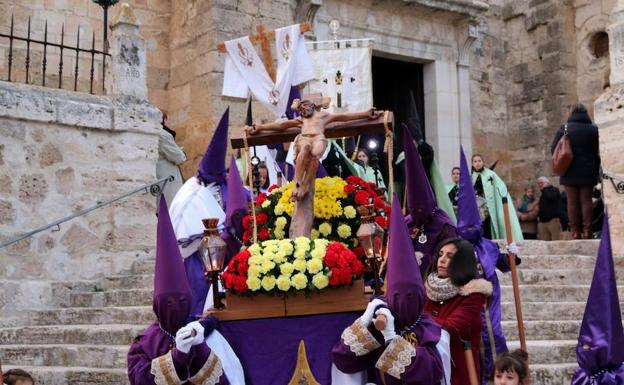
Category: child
<point>18,377</point>
<point>512,368</point>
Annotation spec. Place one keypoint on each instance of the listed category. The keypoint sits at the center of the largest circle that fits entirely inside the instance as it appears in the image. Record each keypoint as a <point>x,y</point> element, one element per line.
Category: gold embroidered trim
<point>210,373</point>
<point>164,371</point>
<point>359,340</point>
<point>302,374</point>
<point>397,356</point>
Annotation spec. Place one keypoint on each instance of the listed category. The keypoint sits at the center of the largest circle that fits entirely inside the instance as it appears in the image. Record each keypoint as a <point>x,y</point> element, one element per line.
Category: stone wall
<point>61,152</point>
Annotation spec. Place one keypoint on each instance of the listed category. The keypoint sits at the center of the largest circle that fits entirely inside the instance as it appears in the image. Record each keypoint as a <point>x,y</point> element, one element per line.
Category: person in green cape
<point>490,190</point>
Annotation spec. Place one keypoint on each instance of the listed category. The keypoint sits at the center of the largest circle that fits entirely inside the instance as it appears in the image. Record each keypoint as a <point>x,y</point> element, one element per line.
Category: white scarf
<point>244,70</point>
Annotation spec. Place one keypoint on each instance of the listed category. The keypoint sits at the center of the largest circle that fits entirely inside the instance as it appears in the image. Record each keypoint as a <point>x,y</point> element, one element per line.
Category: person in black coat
<point>583,173</point>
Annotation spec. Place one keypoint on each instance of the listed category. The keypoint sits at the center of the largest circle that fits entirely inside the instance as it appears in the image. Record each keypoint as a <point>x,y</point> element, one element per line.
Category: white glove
<point>512,248</point>
<point>367,317</point>
<point>214,189</point>
<point>183,339</point>
<point>388,333</point>
<point>199,329</point>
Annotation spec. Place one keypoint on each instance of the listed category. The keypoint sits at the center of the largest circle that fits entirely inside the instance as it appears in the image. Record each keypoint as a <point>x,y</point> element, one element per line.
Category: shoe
<point>577,235</point>
<point>587,235</point>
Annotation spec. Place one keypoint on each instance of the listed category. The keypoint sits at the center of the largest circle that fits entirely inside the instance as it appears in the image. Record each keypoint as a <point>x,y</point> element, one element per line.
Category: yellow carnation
<point>287,268</point>
<point>254,271</point>
<point>299,281</point>
<point>320,281</point>
<point>280,222</point>
<point>267,266</point>
<point>314,265</point>
<point>254,249</point>
<point>299,264</point>
<point>279,233</point>
<point>318,253</point>
<point>300,254</point>
<point>350,212</point>
<point>268,282</point>
<point>286,247</point>
<point>325,229</point>
<point>279,209</point>
<point>255,260</point>
<point>344,231</point>
<point>283,283</point>
<point>279,258</point>
<point>266,204</point>
<point>314,234</point>
<point>302,243</point>
<point>253,283</point>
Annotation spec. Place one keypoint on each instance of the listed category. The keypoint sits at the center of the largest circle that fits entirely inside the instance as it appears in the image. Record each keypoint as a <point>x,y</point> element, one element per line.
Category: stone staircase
<point>85,340</point>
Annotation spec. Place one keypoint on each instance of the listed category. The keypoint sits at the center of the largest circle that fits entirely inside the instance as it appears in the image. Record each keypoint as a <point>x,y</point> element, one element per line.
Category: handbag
<point>562,156</point>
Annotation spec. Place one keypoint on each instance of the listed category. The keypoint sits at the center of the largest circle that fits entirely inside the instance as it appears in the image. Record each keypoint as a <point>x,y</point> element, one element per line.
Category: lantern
<point>212,250</point>
<point>370,235</point>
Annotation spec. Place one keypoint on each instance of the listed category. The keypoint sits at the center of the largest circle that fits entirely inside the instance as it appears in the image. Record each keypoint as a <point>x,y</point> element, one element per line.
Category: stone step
<point>552,374</point>
<point>104,356</point>
<point>131,297</point>
<point>549,277</point>
<point>569,261</point>
<point>543,330</point>
<point>551,293</point>
<point>135,315</point>
<point>74,375</point>
<point>124,282</point>
<point>583,247</point>
<point>548,351</point>
<point>544,311</point>
<point>115,334</point>
<point>143,266</point>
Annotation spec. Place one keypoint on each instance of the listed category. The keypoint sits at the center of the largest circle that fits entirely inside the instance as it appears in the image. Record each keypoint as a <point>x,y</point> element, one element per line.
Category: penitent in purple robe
<point>600,348</point>
<point>469,228</point>
<point>153,358</point>
<point>412,358</point>
<point>235,212</point>
<point>212,165</point>
<point>428,224</point>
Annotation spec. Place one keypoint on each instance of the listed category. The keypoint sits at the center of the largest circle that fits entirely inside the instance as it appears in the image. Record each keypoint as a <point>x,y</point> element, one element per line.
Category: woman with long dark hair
<point>455,299</point>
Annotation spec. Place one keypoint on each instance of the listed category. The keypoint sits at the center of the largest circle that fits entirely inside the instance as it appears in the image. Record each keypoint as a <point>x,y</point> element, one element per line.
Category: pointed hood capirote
<point>600,348</point>
<point>212,166</point>
<point>405,291</point>
<point>172,294</point>
<point>468,216</point>
<point>236,195</point>
<point>295,93</point>
<point>420,198</point>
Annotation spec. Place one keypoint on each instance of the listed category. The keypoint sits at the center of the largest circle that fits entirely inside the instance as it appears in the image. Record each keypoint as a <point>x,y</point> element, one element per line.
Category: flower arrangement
<point>335,214</point>
<point>279,266</point>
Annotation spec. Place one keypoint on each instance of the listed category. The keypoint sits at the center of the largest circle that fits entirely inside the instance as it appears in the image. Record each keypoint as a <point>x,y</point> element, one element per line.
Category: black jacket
<point>583,136</point>
<point>549,204</point>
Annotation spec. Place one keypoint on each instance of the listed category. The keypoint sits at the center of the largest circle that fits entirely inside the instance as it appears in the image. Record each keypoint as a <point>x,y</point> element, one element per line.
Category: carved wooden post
<point>128,69</point>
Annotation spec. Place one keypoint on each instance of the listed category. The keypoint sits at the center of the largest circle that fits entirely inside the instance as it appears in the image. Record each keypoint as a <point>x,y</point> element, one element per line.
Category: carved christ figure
<point>311,143</point>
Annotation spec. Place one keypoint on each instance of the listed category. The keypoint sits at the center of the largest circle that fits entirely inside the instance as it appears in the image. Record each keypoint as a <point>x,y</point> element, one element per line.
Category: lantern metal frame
<point>213,263</point>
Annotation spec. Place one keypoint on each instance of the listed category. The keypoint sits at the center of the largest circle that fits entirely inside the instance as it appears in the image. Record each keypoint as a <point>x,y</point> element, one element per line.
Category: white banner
<point>342,71</point>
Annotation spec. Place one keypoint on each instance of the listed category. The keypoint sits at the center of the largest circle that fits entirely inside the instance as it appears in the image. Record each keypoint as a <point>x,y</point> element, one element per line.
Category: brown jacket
<point>528,220</point>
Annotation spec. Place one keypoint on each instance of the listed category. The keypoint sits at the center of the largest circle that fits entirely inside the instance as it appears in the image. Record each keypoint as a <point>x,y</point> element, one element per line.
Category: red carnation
<point>357,268</point>
<point>330,259</point>
<point>243,255</point>
<point>379,204</point>
<point>264,234</point>
<point>343,263</point>
<point>247,221</point>
<point>349,189</point>
<point>381,221</point>
<point>229,280</point>
<point>334,277</point>
<point>261,198</point>
<point>361,198</point>
<point>242,268</point>
<point>359,251</point>
<point>348,255</point>
<point>354,180</point>
<point>261,218</point>
<point>240,284</point>
<point>246,236</point>
<point>273,187</point>
<point>345,277</point>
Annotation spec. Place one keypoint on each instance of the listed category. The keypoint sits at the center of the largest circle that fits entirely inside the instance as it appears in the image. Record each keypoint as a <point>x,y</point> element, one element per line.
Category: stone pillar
<point>609,116</point>
<point>128,68</point>
<point>463,88</point>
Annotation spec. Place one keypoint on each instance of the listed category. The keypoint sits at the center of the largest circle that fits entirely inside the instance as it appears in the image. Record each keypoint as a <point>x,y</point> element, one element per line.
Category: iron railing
<point>12,37</point>
<point>155,188</point>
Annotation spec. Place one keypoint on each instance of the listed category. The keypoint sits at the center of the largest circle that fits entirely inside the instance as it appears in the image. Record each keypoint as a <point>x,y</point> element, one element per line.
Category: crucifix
<point>264,38</point>
<point>310,132</point>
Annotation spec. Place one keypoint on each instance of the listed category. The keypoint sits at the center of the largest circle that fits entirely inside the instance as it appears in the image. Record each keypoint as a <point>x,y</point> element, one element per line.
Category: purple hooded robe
<point>362,348</point>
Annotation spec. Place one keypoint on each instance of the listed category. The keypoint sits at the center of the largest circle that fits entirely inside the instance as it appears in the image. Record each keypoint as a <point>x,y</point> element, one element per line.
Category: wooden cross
<point>264,38</point>
<point>333,130</point>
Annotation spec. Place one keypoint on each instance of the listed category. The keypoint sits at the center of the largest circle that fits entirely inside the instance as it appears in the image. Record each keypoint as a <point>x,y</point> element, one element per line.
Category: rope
<point>250,181</point>
<point>388,147</point>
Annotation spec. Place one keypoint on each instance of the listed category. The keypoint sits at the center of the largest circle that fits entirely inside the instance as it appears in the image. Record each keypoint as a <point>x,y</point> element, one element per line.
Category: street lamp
<point>105,4</point>
<point>212,250</point>
<point>370,237</point>
<point>374,159</point>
